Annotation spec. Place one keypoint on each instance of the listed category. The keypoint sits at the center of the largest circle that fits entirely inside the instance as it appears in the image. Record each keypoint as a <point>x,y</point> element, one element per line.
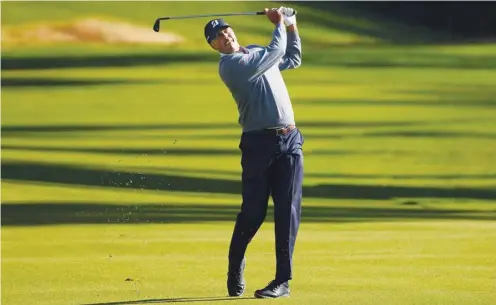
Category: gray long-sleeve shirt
<point>253,76</point>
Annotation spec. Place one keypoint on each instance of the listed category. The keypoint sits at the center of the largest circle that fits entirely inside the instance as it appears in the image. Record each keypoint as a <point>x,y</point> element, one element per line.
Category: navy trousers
<point>272,166</point>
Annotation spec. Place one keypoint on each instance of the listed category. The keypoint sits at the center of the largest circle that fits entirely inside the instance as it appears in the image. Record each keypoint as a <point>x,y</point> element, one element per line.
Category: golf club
<point>156,26</point>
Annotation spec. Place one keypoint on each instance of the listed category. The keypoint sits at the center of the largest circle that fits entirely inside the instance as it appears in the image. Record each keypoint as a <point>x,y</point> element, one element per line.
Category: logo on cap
<point>211,28</point>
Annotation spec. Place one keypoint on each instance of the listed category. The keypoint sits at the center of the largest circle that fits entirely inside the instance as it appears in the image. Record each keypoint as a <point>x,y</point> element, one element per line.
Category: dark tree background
<point>459,20</point>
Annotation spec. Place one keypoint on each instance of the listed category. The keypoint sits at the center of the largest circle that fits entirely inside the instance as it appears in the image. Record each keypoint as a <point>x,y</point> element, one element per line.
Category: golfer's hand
<point>274,15</point>
<point>288,15</point>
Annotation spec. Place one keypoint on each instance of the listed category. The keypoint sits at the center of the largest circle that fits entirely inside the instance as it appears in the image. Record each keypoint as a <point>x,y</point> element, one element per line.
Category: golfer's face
<point>226,40</point>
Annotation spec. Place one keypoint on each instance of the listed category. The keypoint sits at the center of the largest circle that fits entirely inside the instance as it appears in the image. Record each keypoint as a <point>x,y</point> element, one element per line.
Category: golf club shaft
<point>211,15</point>
<point>156,26</point>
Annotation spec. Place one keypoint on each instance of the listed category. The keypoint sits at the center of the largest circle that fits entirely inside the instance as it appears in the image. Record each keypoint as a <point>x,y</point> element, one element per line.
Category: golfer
<point>270,144</point>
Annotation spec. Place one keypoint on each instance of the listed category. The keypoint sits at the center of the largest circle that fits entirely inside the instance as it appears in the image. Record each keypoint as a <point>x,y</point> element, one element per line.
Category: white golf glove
<point>288,15</point>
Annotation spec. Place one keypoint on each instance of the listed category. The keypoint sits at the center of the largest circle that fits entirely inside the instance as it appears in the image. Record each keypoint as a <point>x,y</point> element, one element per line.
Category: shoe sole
<point>269,297</point>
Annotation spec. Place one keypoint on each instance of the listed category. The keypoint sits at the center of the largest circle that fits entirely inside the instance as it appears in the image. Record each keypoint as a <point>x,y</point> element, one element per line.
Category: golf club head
<point>156,26</point>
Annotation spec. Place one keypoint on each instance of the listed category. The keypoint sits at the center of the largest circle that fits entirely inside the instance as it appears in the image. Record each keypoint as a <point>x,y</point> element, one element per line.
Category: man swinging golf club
<point>271,145</point>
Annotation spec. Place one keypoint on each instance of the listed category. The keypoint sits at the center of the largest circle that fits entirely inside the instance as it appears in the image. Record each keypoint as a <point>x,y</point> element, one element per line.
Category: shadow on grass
<point>356,58</point>
<point>169,129</point>
<point>175,300</point>
<point>114,127</point>
<point>65,82</point>
<point>100,61</point>
<point>173,139</point>
<point>75,175</point>
<point>237,174</point>
<point>369,60</point>
<point>430,134</point>
<point>192,151</point>
<point>35,82</point>
<point>19,129</point>
<point>469,102</point>
<point>134,151</point>
<point>32,214</point>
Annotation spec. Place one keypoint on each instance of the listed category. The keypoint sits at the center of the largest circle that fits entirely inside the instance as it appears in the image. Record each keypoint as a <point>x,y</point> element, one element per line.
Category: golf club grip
<point>263,13</point>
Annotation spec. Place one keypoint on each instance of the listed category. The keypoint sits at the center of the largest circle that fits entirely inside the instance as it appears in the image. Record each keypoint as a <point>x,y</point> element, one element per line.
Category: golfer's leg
<point>255,195</point>
<point>287,196</point>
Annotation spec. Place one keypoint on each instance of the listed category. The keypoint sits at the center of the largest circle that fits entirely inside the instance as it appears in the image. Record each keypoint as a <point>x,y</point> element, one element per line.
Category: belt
<point>280,130</point>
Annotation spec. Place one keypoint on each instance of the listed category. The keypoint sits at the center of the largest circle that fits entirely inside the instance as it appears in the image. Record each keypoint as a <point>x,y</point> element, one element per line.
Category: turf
<point>120,170</point>
<point>338,261</point>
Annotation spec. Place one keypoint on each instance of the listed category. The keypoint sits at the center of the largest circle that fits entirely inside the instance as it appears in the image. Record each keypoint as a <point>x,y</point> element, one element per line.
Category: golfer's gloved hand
<point>288,15</point>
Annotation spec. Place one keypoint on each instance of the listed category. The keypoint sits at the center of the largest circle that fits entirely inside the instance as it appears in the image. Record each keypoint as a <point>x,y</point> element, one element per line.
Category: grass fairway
<point>120,170</point>
<point>126,193</point>
<point>353,257</point>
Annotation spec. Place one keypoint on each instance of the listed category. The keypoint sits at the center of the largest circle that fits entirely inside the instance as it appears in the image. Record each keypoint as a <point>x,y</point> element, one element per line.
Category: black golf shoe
<point>274,290</point>
<point>236,281</point>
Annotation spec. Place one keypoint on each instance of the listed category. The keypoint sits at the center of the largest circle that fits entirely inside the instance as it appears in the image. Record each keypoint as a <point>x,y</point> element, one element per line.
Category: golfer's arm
<point>257,63</point>
<point>292,57</point>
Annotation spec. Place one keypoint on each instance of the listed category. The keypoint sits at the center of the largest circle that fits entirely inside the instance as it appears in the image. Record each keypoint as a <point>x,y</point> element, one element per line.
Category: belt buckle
<point>283,130</point>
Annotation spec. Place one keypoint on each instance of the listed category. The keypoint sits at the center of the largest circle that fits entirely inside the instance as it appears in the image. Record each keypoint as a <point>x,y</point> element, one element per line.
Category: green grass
<point>377,137</point>
<point>120,169</point>
<point>407,262</point>
<point>390,135</point>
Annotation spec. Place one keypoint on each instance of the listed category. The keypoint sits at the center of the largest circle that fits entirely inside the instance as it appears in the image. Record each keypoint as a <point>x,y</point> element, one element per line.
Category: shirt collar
<point>241,50</point>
